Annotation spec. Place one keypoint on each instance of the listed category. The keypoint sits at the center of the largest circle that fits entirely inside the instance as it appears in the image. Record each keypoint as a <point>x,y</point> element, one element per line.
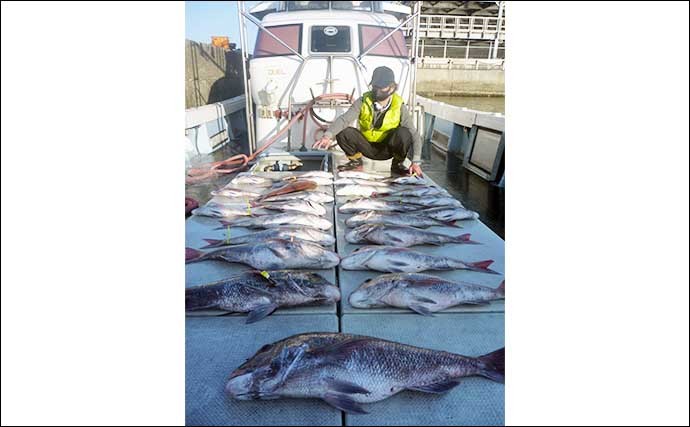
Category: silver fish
<point>357,190</point>
<point>275,254</point>
<point>235,193</point>
<point>369,204</point>
<point>364,182</point>
<point>260,293</point>
<point>401,236</point>
<point>421,293</point>
<point>395,218</point>
<point>302,233</point>
<point>216,210</point>
<point>408,180</point>
<point>279,220</point>
<point>428,201</point>
<point>411,190</point>
<point>453,213</point>
<point>313,174</point>
<point>361,175</point>
<point>319,180</point>
<point>253,180</point>
<point>309,196</point>
<point>294,205</point>
<point>347,370</point>
<point>391,259</point>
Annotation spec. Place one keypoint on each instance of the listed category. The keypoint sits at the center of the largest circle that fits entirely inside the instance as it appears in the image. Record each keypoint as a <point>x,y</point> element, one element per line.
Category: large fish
<point>401,236</point>
<point>369,204</point>
<point>422,293</point>
<point>448,213</point>
<point>291,187</point>
<point>302,233</point>
<point>218,210</point>
<point>260,293</point>
<point>279,220</point>
<point>250,180</point>
<point>309,196</point>
<point>427,202</point>
<point>313,174</point>
<point>395,218</point>
<point>319,180</point>
<point>361,175</point>
<point>391,259</point>
<point>364,182</point>
<point>235,193</point>
<point>347,370</point>
<point>274,254</point>
<point>293,205</point>
<point>357,190</point>
<point>408,180</point>
<point>410,190</point>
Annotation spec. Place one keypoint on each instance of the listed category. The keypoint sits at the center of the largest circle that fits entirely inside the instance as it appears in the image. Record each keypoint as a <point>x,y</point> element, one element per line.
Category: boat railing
<point>210,126</point>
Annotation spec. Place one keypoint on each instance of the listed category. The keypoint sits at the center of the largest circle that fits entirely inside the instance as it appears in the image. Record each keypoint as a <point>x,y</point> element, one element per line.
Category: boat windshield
<point>327,5</point>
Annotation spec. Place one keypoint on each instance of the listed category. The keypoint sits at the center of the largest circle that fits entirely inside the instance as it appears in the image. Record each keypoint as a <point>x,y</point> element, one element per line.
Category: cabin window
<point>393,46</point>
<point>268,46</point>
<point>307,5</point>
<point>330,38</point>
<point>352,5</point>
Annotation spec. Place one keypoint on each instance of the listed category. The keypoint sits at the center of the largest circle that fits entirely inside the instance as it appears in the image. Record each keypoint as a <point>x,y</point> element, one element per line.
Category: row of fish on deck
<point>389,215</point>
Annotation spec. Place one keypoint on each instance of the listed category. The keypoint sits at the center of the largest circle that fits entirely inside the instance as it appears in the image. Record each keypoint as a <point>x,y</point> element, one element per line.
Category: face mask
<point>380,95</point>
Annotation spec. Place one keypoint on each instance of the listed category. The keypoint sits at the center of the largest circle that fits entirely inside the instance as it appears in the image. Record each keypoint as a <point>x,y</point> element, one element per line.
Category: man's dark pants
<point>397,144</point>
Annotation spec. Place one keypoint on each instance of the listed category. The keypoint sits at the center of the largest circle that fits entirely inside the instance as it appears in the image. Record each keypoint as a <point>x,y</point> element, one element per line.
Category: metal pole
<point>445,48</point>
<point>491,46</point>
<point>417,15</point>
<point>467,50</point>
<point>422,55</point>
<point>498,27</point>
<point>247,88</point>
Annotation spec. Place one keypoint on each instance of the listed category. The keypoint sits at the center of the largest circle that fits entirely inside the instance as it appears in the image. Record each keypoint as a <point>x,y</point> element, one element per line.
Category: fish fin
<point>476,302</point>
<point>212,243</point>
<point>339,349</point>
<point>425,300</point>
<point>223,225</point>
<point>501,290</point>
<point>192,255</point>
<point>345,387</point>
<point>465,238</point>
<point>260,312</point>
<point>452,224</point>
<point>436,388</point>
<point>344,403</point>
<point>258,290</point>
<point>493,365</point>
<point>482,266</point>
<point>420,309</point>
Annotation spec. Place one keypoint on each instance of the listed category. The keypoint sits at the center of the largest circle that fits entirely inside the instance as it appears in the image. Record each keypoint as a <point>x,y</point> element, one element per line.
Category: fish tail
<point>213,243</point>
<point>465,238</point>
<point>492,365</point>
<point>482,266</point>
<point>452,223</point>
<point>500,292</point>
<point>193,255</point>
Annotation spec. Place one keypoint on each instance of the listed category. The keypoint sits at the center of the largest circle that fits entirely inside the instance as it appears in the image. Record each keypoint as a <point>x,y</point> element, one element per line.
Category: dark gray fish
<point>260,293</point>
<point>396,218</point>
<point>347,370</point>
<point>287,233</point>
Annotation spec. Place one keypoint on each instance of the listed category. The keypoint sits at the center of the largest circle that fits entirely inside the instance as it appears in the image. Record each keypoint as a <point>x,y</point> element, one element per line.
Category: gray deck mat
<point>215,346</point>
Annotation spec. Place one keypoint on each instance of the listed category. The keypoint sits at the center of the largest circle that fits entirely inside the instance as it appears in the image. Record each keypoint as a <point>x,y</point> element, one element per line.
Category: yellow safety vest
<point>391,120</point>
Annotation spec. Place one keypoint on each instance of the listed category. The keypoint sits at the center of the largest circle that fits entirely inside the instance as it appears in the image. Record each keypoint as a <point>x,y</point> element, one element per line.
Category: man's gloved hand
<point>416,169</point>
<point>322,144</point>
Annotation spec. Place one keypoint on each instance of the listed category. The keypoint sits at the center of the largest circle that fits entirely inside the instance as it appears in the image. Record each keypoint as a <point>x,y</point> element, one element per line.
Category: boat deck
<point>215,346</point>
